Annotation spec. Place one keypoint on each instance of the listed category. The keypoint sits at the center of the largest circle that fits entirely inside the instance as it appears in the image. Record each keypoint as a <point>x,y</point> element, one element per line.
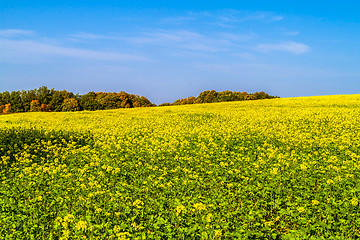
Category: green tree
<point>16,103</point>
<point>26,98</point>
<point>89,102</point>
<point>57,100</point>
<point>5,98</point>
<point>43,94</point>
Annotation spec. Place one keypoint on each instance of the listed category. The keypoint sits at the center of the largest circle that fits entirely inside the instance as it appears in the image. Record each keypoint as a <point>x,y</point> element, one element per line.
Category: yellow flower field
<point>266,169</point>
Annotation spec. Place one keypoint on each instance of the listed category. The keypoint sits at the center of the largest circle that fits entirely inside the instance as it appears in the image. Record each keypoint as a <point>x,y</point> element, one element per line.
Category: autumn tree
<point>35,106</point>
<point>7,108</point>
<point>70,105</point>
<point>45,108</point>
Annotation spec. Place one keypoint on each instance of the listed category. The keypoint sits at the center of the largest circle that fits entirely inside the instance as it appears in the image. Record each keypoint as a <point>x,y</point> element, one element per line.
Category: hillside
<point>268,169</point>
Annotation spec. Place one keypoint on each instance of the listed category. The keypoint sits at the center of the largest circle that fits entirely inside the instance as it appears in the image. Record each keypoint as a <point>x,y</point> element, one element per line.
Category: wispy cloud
<point>178,20</point>
<point>292,33</point>
<point>85,35</point>
<point>226,18</point>
<point>15,32</point>
<point>11,48</point>
<point>277,18</point>
<point>180,39</point>
<point>291,47</point>
<point>235,16</point>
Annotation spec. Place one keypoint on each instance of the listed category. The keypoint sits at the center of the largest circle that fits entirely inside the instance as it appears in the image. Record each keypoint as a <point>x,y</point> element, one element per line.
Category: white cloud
<point>277,18</point>
<point>15,32</point>
<point>246,56</point>
<point>85,35</point>
<point>177,40</point>
<point>226,18</point>
<point>291,47</point>
<point>235,16</point>
<point>292,33</point>
<point>177,20</point>
<point>10,49</point>
<point>180,39</point>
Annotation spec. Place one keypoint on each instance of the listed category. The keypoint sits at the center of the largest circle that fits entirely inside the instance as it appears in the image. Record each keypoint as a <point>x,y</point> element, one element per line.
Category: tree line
<point>50,100</point>
<point>224,96</point>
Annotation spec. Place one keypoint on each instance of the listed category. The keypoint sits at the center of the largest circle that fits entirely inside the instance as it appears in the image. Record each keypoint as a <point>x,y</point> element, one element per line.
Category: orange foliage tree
<point>7,108</point>
<point>35,106</point>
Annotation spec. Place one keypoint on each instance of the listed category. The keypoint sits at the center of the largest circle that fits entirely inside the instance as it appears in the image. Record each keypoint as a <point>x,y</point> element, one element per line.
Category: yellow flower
<point>180,209</point>
<point>354,201</point>
<point>230,185</point>
<point>69,218</point>
<point>123,235</point>
<point>208,217</point>
<point>218,233</point>
<point>315,202</point>
<point>330,181</point>
<point>301,209</point>
<point>274,171</point>
<point>138,203</point>
<point>81,225</point>
<point>303,166</point>
<point>117,228</point>
<point>199,206</point>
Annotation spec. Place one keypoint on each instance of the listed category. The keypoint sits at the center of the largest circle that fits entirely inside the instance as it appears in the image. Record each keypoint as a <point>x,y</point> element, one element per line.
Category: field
<point>266,169</point>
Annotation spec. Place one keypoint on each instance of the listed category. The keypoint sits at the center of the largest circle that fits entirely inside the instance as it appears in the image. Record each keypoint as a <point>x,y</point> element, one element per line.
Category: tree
<point>207,97</point>
<point>26,98</point>
<point>89,102</point>
<point>70,105</point>
<point>35,106</point>
<point>15,100</point>
<point>165,104</point>
<point>43,94</point>
<point>5,98</point>
<point>7,108</point>
<point>57,99</point>
<point>45,108</point>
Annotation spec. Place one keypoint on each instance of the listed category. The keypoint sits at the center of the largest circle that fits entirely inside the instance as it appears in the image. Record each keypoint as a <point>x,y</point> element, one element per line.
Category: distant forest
<point>224,96</point>
<point>50,100</point>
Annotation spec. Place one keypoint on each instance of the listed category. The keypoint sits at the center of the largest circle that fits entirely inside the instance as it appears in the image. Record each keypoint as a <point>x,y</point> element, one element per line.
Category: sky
<point>166,50</point>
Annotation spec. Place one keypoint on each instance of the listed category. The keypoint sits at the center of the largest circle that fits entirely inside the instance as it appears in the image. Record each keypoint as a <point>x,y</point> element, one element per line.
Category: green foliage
<point>70,105</point>
<point>225,96</point>
<point>88,102</point>
<point>165,104</point>
<point>27,209</point>
<point>57,101</point>
<point>15,141</point>
<point>44,99</point>
<point>281,169</point>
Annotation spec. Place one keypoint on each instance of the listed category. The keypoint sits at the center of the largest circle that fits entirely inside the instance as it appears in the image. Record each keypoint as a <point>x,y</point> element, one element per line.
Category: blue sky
<point>166,50</point>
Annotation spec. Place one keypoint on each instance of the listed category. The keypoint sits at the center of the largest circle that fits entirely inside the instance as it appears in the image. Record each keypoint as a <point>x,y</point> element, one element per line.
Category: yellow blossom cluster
<point>265,169</point>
